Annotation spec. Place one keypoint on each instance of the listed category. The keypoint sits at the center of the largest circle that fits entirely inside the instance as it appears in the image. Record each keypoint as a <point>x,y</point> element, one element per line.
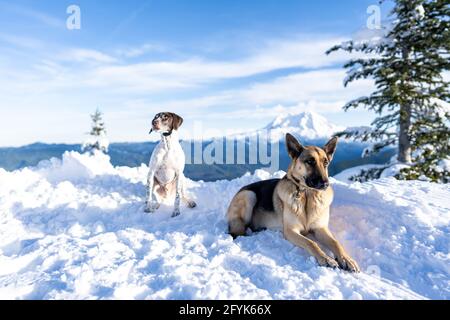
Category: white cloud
<point>321,91</point>
<point>133,52</point>
<point>33,14</point>
<point>129,93</point>
<point>20,41</point>
<point>86,55</point>
<point>102,70</point>
<point>322,85</point>
<point>268,113</point>
<point>167,75</point>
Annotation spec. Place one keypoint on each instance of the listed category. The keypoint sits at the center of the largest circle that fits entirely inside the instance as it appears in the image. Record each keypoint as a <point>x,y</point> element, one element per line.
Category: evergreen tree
<point>407,65</point>
<point>430,160</point>
<point>97,140</point>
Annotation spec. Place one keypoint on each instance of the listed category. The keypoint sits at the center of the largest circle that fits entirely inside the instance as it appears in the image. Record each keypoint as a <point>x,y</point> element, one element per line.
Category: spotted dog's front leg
<point>151,205</point>
<point>176,210</point>
<point>184,195</point>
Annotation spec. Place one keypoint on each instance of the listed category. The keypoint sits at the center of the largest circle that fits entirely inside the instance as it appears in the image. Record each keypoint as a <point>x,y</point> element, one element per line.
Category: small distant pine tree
<point>97,141</point>
<point>408,65</point>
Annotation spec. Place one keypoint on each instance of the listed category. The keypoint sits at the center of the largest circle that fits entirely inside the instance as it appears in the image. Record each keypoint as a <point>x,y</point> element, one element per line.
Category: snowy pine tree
<point>97,140</point>
<point>407,65</point>
<point>430,160</point>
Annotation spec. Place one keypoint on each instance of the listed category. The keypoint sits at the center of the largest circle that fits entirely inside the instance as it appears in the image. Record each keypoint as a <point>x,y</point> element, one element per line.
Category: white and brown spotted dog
<point>298,204</point>
<point>166,178</point>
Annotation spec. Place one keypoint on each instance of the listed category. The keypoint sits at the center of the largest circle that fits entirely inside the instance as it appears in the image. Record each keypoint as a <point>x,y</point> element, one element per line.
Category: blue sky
<point>233,65</point>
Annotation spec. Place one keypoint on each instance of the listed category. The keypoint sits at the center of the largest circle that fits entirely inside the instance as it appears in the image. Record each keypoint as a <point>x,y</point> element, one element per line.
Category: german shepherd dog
<point>298,204</point>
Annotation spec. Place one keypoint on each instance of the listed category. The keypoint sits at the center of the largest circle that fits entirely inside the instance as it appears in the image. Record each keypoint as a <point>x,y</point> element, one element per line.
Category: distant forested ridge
<point>134,154</point>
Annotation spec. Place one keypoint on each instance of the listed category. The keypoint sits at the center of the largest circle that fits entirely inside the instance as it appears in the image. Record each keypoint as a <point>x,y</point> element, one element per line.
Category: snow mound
<point>389,171</point>
<point>75,229</point>
<point>347,174</point>
<point>75,167</point>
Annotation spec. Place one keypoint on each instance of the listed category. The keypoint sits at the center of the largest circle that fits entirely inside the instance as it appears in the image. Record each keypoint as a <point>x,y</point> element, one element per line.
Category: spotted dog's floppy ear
<point>294,147</point>
<point>330,148</point>
<point>177,121</point>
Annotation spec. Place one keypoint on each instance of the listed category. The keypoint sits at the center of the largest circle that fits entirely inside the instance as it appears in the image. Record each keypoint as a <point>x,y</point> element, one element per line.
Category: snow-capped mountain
<point>308,125</point>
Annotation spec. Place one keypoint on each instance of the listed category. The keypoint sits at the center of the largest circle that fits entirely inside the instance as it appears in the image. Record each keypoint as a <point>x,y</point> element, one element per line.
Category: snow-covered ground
<point>76,229</point>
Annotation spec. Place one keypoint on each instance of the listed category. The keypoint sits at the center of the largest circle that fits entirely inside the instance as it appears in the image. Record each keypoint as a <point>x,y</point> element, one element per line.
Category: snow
<point>345,175</point>
<point>310,125</point>
<point>419,12</point>
<point>444,165</point>
<point>391,170</point>
<point>75,229</point>
<point>443,107</point>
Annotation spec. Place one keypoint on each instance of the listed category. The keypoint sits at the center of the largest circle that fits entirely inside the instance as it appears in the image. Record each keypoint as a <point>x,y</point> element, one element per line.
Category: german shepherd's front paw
<point>326,261</point>
<point>347,263</point>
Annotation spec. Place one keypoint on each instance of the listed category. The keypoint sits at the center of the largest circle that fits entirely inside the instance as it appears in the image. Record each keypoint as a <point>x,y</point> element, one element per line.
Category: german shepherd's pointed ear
<point>177,121</point>
<point>294,147</point>
<point>330,148</point>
